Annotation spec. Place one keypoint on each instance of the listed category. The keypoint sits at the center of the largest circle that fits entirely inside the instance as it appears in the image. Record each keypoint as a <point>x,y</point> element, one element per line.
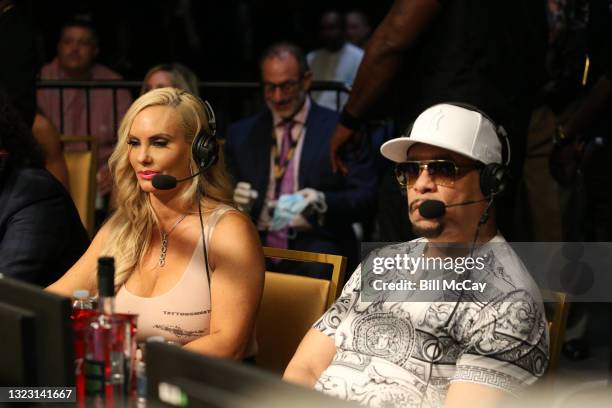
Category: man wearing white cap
<point>421,349</point>
<point>462,152</point>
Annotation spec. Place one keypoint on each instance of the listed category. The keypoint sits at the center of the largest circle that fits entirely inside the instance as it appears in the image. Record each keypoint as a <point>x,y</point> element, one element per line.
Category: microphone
<point>435,208</point>
<point>431,209</point>
<point>167,182</point>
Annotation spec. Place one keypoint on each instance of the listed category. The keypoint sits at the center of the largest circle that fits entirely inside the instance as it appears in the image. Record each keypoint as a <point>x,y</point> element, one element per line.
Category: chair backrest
<point>556,327</point>
<point>82,167</point>
<point>291,304</point>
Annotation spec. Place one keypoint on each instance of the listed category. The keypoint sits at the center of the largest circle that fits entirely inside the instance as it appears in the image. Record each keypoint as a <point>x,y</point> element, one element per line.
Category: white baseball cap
<point>453,128</point>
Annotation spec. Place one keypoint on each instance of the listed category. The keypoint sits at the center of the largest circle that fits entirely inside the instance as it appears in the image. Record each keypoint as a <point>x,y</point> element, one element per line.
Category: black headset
<point>494,177</point>
<point>205,152</point>
<point>205,148</point>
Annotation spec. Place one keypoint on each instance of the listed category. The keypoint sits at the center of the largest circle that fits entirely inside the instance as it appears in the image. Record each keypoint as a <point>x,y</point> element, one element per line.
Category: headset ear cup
<point>494,178</point>
<point>205,151</point>
<point>212,149</point>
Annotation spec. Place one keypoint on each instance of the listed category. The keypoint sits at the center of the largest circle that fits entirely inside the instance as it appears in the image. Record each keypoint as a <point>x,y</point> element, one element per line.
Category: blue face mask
<point>287,208</point>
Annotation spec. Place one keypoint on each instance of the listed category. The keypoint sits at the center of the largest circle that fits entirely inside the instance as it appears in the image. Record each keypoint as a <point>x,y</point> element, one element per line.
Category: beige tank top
<point>182,314</point>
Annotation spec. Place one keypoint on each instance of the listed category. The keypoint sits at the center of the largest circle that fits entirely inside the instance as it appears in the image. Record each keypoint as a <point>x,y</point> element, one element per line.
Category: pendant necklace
<point>164,241</point>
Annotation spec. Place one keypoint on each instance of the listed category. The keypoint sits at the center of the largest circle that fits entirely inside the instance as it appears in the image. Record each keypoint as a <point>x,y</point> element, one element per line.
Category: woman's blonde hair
<point>132,224</point>
<point>182,77</point>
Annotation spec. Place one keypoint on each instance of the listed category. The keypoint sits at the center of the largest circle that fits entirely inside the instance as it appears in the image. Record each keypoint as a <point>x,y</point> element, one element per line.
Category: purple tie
<point>278,239</point>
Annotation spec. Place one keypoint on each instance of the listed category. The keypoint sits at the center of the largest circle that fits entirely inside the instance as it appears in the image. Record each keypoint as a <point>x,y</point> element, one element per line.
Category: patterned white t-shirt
<point>407,353</point>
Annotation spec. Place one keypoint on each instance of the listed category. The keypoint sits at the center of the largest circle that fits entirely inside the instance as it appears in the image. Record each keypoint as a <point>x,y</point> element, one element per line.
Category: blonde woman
<point>155,235</point>
<point>174,74</point>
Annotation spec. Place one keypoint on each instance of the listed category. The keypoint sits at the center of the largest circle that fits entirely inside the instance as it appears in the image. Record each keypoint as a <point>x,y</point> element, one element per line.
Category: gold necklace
<point>164,241</point>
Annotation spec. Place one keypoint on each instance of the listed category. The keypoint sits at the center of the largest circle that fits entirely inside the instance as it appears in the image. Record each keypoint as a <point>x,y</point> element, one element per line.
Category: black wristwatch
<point>350,121</point>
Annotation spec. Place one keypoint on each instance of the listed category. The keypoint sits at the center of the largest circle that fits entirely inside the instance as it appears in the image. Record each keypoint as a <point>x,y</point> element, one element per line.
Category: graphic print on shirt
<point>394,353</point>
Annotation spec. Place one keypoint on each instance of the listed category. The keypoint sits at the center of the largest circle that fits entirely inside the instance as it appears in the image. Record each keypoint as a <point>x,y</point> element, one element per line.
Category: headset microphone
<point>166,182</point>
<point>435,208</point>
<point>432,209</point>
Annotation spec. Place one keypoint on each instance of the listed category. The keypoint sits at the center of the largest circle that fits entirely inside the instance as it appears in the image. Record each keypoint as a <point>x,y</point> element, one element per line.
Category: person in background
<point>582,150</point>
<point>48,137</point>
<point>41,234</point>
<point>174,75</point>
<point>279,159</point>
<point>430,51</point>
<point>338,60</point>
<point>358,28</point>
<point>186,261</point>
<point>77,50</point>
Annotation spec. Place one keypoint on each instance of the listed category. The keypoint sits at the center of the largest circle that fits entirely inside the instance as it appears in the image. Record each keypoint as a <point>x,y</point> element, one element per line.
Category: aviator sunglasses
<point>442,172</point>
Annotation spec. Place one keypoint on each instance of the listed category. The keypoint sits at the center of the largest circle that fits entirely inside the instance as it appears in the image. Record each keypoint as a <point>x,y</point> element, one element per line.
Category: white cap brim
<point>453,128</point>
<point>396,149</point>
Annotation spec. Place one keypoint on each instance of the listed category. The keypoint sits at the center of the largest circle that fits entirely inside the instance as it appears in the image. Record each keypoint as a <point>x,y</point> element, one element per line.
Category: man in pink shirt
<point>75,60</point>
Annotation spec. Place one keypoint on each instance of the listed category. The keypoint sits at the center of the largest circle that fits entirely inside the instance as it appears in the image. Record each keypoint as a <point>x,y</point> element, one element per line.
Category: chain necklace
<point>164,241</point>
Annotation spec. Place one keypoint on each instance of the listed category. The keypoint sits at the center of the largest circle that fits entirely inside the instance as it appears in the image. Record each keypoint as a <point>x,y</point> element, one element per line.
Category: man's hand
<point>315,204</point>
<point>341,136</point>
<point>244,196</point>
<point>314,198</point>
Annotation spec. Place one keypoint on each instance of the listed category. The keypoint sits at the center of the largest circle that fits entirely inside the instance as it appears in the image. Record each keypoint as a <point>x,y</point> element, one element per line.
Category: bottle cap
<point>80,294</point>
<point>106,276</point>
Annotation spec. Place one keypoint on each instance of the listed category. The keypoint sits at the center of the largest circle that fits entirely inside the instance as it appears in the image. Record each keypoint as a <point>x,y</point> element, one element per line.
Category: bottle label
<point>94,376</point>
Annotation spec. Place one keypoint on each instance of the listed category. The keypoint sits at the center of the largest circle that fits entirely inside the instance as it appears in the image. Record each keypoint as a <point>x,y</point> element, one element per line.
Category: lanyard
<point>282,163</point>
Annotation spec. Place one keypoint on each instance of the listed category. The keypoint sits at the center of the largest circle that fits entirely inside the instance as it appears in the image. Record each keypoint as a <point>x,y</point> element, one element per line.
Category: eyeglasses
<point>285,87</point>
<point>442,172</point>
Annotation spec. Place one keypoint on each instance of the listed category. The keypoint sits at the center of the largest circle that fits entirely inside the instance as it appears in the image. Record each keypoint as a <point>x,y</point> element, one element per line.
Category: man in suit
<point>280,159</point>
<point>41,234</point>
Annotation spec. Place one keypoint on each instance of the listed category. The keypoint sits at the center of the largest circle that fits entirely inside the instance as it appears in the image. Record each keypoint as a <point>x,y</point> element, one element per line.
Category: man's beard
<point>429,231</point>
<point>425,232</point>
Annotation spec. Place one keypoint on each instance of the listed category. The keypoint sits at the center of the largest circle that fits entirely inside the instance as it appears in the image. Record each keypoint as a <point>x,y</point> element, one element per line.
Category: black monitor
<point>16,345</point>
<point>178,377</point>
<point>41,336</point>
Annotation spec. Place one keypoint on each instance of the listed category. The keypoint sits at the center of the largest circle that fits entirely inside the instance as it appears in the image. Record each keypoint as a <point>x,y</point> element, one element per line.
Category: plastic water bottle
<point>82,311</point>
<point>80,302</point>
<point>141,368</point>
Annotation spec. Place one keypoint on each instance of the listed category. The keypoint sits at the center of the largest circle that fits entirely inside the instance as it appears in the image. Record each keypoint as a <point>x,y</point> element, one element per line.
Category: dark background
<point>226,40</point>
